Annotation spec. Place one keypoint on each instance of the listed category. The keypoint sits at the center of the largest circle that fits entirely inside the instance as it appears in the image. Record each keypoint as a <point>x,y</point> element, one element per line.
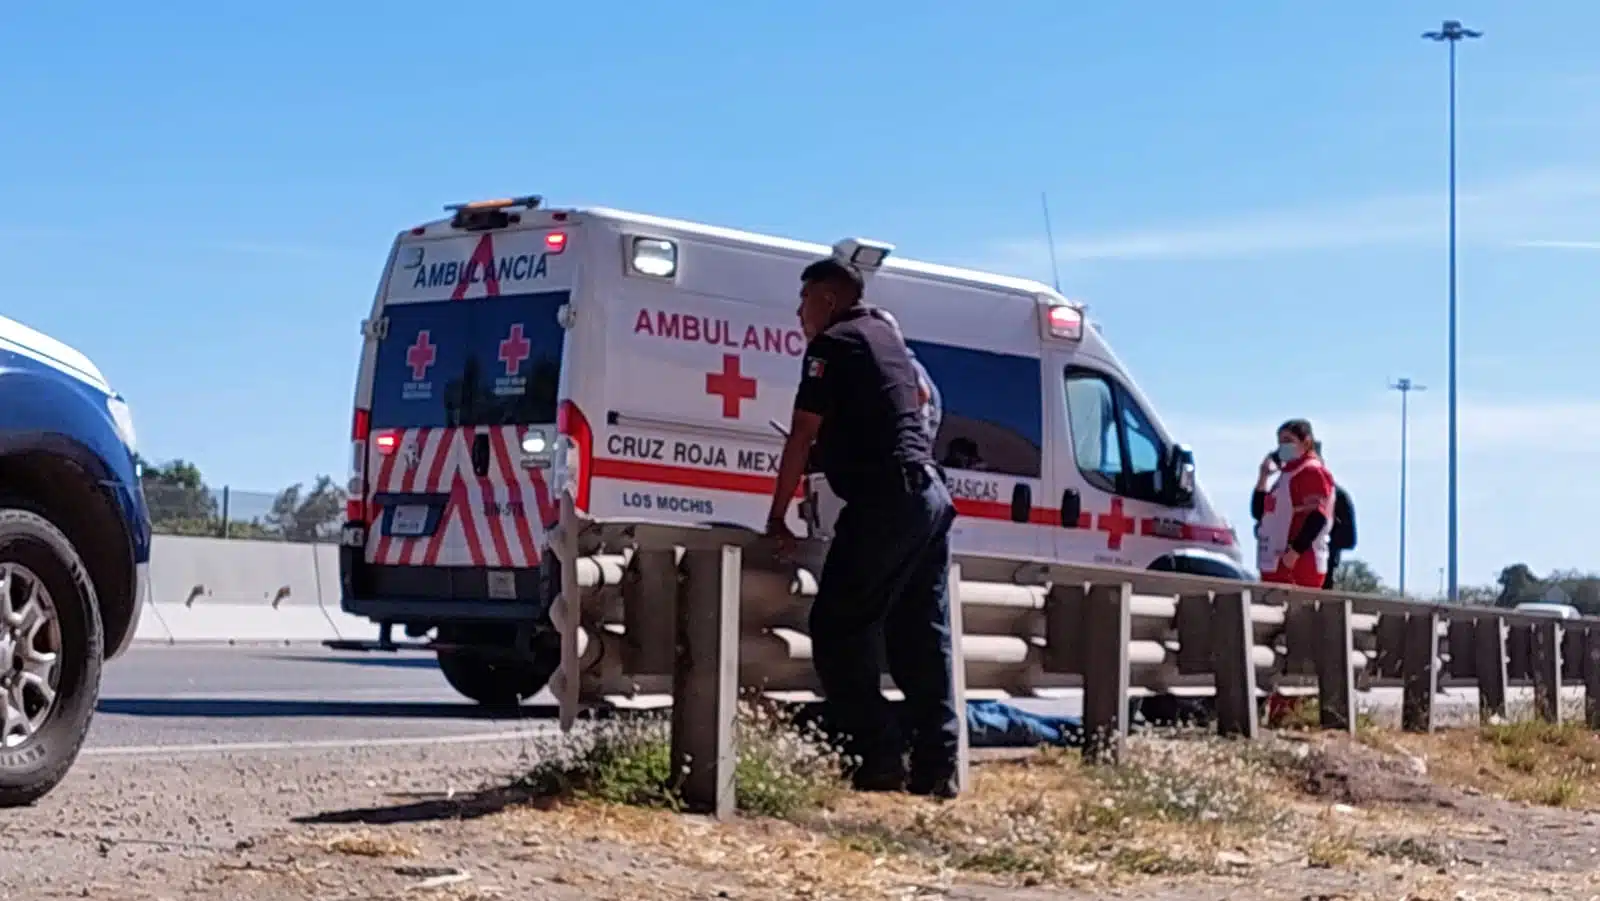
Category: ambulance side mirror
<point>1178,476</point>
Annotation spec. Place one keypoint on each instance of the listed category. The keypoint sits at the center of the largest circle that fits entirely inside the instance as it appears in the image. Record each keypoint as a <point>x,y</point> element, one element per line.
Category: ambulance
<point>647,367</point>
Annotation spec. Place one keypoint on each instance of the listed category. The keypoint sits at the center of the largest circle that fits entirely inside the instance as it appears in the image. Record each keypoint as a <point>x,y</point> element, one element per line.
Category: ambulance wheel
<point>51,653</point>
<point>493,681</point>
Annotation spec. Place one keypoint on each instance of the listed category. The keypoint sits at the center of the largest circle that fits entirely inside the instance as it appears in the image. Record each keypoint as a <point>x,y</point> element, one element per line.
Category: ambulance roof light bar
<point>863,254</point>
<point>527,202</point>
<point>487,215</point>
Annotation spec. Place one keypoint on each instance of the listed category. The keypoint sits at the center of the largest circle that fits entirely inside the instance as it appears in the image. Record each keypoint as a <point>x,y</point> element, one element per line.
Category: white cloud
<point>1501,212</point>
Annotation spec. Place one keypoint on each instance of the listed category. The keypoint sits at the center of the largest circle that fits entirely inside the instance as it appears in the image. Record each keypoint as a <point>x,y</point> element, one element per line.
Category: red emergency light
<point>1064,322</point>
<point>386,442</point>
<point>555,242</point>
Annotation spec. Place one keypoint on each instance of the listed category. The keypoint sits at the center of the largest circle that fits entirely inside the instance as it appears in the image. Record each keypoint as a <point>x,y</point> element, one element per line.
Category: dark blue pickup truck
<point>74,553</point>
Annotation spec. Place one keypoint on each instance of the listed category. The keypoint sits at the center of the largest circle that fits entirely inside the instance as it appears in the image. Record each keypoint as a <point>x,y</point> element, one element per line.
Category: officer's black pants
<point>886,578</point>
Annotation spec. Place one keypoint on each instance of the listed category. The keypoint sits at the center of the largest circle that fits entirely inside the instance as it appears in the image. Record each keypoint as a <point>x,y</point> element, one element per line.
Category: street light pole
<point>1452,33</point>
<point>1405,387</point>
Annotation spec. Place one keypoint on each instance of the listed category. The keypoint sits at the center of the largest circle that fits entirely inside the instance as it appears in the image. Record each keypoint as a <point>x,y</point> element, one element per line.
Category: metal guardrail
<point>692,615</point>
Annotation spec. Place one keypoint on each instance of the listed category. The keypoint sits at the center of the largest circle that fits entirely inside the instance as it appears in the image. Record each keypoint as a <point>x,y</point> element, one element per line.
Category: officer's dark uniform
<point>887,568</point>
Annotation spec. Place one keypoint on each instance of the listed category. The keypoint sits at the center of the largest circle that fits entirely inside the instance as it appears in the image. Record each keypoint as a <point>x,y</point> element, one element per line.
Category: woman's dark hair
<point>1299,428</point>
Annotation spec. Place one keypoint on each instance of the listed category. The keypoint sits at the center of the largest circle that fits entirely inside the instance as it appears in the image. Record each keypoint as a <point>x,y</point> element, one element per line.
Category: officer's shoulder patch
<point>814,367</point>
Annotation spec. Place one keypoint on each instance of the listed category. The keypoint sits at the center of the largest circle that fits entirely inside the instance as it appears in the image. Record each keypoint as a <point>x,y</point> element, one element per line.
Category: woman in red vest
<point>1296,510</point>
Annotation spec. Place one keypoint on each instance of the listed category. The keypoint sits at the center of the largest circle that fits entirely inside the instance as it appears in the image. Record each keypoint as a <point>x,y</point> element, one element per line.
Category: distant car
<point>74,553</point>
<point>1544,608</point>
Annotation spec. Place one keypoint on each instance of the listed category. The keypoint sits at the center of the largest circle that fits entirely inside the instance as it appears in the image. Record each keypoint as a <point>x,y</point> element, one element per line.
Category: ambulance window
<point>1092,417</point>
<point>1144,445</point>
<point>1117,447</point>
<point>993,409</point>
<point>489,361</point>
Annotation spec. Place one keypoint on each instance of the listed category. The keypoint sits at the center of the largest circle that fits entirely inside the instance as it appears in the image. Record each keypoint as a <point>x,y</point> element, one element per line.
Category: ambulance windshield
<point>489,361</point>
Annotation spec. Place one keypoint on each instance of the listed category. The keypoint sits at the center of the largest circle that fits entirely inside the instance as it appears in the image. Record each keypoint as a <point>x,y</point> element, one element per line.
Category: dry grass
<point>1183,810</point>
<point>366,843</point>
<point>1523,760</point>
<point>782,769</point>
<point>1175,807</point>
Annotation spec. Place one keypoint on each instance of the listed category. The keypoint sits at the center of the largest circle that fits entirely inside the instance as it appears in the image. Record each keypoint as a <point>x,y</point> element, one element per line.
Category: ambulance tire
<point>493,681</point>
<point>43,559</point>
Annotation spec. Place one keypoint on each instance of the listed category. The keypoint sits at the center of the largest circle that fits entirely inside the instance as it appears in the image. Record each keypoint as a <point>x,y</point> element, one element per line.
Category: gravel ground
<point>279,774</point>
<point>428,821</point>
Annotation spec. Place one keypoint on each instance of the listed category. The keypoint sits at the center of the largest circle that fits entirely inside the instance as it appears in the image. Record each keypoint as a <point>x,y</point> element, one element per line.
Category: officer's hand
<point>1288,560</point>
<point>779,530</point>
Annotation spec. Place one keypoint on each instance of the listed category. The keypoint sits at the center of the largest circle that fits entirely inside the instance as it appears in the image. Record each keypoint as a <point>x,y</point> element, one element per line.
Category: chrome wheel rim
<point>30,654</point>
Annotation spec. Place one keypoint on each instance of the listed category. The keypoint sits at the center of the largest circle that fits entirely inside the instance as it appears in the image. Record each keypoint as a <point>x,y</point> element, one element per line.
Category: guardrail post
<point>1301,643</point>
<point>649,610</point>
<point>1336,679</point>
<point>1519,651</point>
<point>705,680</point>
<point>1065,617</point>
<point>1420,671</point>
<point>1107,629</point>
<point>1546,662</point>
<point>1591,676</point>
<point>1489,641</point>
<point>1390,636</point>
<point>1572,654</point>
<point>1235,671</point>
<point>1196,652</point>
<point>958,679</point>
<point>1462,637</point>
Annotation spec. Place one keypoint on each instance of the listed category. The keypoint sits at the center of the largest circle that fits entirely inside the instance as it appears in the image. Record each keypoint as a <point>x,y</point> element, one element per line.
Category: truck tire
<point>47,607</point>
<point>493,681</point>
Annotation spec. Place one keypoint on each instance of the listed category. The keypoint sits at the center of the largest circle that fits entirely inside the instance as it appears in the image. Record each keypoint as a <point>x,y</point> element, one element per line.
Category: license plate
<point>409,519</point>
<point>503,586</point>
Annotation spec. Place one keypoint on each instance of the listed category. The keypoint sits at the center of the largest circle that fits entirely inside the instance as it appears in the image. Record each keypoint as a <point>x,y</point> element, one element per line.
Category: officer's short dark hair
<point>832,272</point>
<point>1299,428</point>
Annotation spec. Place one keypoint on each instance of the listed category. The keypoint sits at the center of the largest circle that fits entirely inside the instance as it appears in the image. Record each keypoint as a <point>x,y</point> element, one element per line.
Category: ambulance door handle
<point>480,454</point>
<point>1071,508</point>
<point>1021,502</point>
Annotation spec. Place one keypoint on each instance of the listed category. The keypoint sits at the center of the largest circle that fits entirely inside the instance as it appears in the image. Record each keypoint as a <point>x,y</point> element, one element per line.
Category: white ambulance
<point>516,351</point>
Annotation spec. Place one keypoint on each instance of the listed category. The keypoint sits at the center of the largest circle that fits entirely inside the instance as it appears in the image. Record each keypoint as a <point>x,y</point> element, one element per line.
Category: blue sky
<point>1252,202</point>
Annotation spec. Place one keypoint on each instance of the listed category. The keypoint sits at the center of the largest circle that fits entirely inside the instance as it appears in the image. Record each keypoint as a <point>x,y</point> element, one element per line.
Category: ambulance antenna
<point>1050,237</point>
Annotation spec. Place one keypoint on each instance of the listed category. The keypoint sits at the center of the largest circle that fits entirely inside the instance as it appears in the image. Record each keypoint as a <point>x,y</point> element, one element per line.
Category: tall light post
<point>1405,387</point>
<point>1452,33</point>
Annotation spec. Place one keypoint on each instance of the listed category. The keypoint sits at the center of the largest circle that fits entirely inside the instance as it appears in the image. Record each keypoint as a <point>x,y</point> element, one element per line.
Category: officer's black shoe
<point>942,786</point>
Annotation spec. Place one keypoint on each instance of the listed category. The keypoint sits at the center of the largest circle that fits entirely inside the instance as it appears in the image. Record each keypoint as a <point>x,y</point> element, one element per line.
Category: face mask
<point>1288,452</point>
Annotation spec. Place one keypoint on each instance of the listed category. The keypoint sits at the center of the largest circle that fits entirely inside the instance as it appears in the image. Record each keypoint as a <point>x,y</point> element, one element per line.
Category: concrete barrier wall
<point>222,590</point>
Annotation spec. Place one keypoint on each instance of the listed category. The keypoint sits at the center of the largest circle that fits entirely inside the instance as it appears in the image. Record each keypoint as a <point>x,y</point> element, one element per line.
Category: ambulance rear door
<point>467,373</point>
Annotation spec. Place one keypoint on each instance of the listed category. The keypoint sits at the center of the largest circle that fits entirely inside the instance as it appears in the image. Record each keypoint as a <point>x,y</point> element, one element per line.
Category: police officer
<point>886,573</point>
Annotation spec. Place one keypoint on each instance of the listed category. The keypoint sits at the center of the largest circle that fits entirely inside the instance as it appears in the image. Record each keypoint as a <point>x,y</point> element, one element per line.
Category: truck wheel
<point>51,652</point>
<point>497,682</point>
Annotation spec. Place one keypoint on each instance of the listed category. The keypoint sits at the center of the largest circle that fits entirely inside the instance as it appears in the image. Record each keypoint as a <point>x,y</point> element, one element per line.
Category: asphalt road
<point>177,696</point>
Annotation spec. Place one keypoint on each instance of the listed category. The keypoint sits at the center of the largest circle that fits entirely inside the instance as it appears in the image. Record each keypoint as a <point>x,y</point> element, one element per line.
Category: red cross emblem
<point>514,349</point>
<point>420,356</point>
<point>731,386</point>
<point>1116,524</point>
